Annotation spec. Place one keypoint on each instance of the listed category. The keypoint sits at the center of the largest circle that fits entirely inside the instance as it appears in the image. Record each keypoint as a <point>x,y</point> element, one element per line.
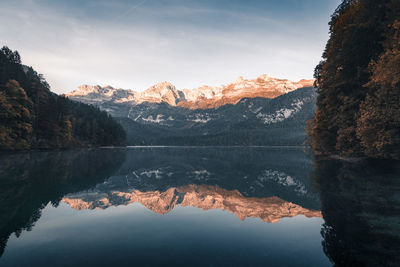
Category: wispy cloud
<point>133,45</point>
<point>130,10</point>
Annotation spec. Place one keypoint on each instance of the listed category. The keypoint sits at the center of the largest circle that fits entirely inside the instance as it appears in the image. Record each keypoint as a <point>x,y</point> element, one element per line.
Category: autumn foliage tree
<point>16,116</point>
<point>358,82</point>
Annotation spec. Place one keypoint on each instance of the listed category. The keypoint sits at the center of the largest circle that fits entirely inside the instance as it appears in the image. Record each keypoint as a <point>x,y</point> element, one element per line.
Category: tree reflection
<point>361,208</point>
<point>30,181</point>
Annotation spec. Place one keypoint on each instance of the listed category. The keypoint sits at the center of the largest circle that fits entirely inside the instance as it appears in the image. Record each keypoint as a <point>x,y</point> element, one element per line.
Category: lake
<point>197,206</point>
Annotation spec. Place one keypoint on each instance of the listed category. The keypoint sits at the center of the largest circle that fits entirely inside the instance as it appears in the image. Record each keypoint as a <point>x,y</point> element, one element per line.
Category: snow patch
<point>156,173</point>
<point>201,174</point>
<point>257,110</point>
<point>281,114</point>
<point>200,118</point>
<point>157,119</point>
<point>283,179</point>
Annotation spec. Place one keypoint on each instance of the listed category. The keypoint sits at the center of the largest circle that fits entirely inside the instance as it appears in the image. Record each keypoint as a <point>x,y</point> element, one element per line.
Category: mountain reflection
<point>206,197</point>
<point>254,172</point>
<point>359,202</point>
<point>249,182</point>
<point>361,208</point>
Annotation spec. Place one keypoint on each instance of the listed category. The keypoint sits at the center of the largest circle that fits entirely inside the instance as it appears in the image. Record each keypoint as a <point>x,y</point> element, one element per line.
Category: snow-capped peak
<point>202,97</point>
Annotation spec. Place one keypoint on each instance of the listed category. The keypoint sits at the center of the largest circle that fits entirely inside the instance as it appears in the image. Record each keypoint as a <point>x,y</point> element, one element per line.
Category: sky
<point>137,43</point>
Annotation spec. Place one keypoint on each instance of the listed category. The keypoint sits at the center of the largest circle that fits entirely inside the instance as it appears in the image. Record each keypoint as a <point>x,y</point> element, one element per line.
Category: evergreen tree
<point>31,116</point>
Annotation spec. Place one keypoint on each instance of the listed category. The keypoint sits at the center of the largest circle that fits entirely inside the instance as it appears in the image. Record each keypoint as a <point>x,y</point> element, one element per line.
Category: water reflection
<point>361,208</point>
<point>359,203</point>
<point>246,182</point>
<point>254,172</point>
<point>254,182</point>
<point>29,181</point>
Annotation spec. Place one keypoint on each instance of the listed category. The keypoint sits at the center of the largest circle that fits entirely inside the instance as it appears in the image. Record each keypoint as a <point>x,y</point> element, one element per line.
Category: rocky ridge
<point>203,97</point>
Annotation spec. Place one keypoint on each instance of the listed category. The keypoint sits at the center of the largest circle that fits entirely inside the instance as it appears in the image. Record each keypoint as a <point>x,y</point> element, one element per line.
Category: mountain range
<point>203,97</point>
<point>261,111</point>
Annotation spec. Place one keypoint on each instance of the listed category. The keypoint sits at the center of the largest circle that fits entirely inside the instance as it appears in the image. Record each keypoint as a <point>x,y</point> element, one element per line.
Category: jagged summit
<point>160,92</point>
<point>239,79</point>
<point>265,77</point>
<point>202,97</point>
<point>91,94</point>
<point>87,89</point>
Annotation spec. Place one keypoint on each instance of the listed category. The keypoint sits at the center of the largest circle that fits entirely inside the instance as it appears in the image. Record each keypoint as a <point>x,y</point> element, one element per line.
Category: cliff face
<point>203,97</point>
<point>205,197</point>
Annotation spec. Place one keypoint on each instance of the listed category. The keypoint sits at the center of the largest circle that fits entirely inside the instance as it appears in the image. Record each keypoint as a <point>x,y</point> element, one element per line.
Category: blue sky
<point>135,44</point>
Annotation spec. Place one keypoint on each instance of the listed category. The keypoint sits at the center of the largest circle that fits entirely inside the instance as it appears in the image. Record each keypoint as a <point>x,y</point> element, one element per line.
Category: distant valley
<point>262,111</point>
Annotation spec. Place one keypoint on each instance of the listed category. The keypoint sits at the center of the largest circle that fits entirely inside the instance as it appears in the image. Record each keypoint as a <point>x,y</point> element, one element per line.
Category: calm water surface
<point>196,207</point>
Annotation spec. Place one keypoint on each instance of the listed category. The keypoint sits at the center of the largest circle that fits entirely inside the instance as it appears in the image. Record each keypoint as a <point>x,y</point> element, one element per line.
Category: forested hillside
<point>253,121</point>
<point>358,104</point>
<point>31,116</point>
